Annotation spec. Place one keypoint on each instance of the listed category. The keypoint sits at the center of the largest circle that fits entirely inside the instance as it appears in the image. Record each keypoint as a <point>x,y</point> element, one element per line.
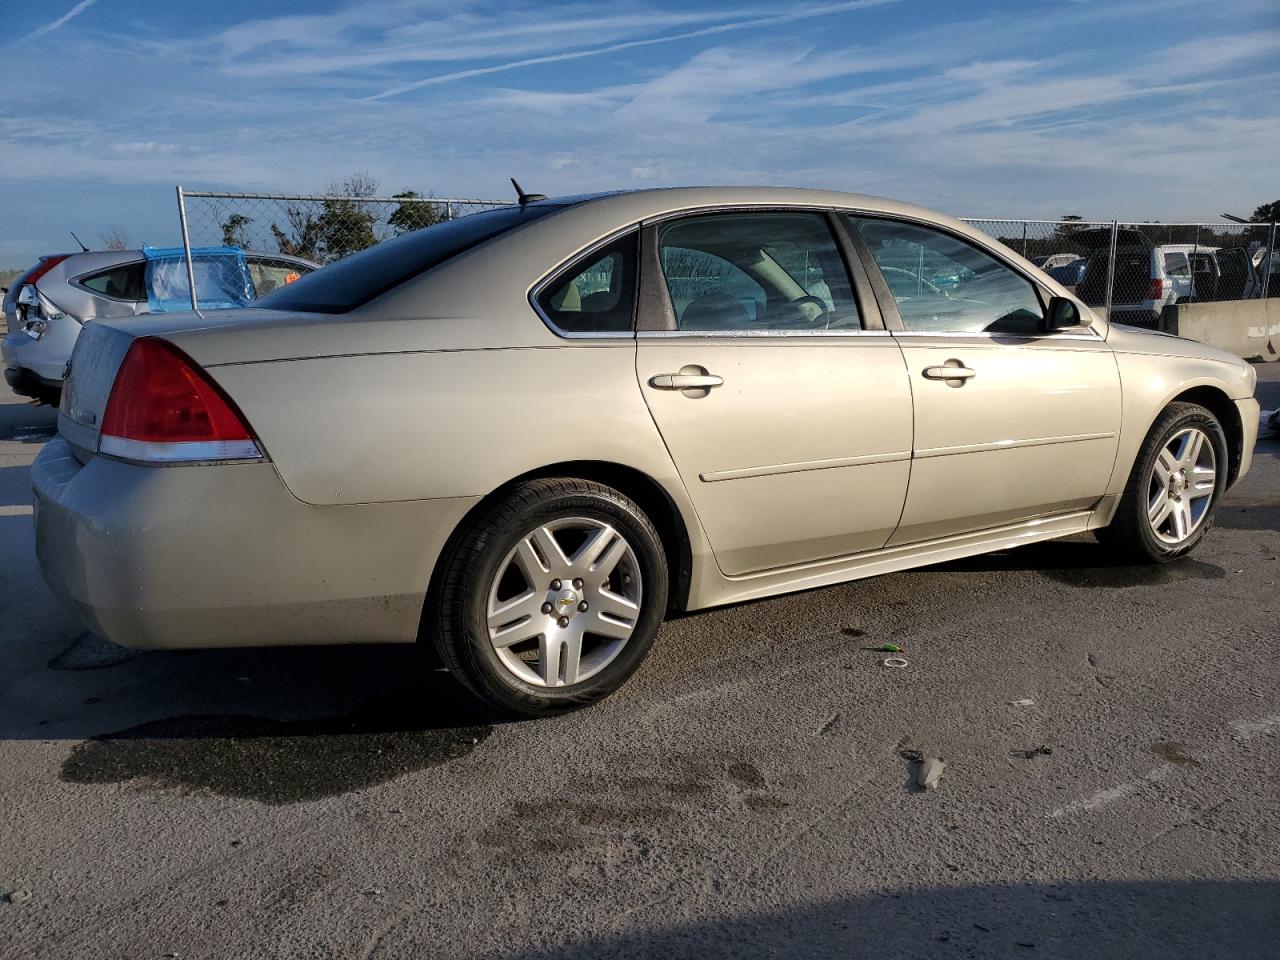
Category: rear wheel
<point>1177,480</point>
<point>552,597</point>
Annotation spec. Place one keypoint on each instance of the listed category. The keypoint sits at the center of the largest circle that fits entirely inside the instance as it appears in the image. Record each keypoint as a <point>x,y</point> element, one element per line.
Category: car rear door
<point>784,403</point>
<point>1011,423</point>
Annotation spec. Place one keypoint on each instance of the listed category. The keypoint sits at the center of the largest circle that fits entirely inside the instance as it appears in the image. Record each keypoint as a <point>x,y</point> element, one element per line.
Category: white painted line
<point>1244,730</point>
<point>1248,729</point>
<point>1111,795</point>
<point>16,510</point>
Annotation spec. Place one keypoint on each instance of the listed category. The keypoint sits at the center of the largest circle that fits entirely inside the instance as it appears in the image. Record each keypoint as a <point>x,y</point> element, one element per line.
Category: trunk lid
<point>223,336</point>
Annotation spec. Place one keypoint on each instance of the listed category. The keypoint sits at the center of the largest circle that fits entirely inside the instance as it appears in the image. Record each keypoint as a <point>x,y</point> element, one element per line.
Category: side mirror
<point>1062,313</point>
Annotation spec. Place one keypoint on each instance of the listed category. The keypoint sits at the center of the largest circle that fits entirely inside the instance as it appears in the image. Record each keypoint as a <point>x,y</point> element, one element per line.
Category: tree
<point>233,228</point>
<point>1267,213</point>
<point>114,239</point>
<point>346,223</point>
<point>303,237</point>
<point>415,214</point>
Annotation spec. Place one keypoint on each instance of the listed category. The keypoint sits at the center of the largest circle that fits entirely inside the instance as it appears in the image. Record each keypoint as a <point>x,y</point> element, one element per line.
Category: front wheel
<point>1177,481</point>
<point>552,597</point>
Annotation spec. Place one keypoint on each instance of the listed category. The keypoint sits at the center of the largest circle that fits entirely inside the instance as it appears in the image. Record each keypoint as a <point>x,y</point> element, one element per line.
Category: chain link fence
<point>275,238</point>
<point>242,245</point>
<point>1135,270</point>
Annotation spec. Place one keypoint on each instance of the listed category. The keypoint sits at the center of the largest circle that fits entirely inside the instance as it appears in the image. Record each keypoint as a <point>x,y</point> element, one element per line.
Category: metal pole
<point>1271,257</point>
<point>1024,238</point>
<point>186,248</point>
<point>1111,268</point>
<point>448,210</point>
<point>1191,266</point>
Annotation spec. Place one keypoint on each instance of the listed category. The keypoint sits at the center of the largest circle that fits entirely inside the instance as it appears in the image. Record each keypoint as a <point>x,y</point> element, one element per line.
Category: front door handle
<point>953,372</point>
<point>685,381</point>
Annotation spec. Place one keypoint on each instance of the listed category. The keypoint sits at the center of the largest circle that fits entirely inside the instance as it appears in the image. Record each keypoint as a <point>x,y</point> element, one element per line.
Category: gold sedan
<point>526,435</point>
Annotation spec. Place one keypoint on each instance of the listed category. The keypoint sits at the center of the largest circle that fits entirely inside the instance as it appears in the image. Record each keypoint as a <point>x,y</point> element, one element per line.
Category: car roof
<point>656,202</point>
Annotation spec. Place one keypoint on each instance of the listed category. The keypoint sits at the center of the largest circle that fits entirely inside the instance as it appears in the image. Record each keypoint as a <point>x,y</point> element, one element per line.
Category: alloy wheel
<point>564,602</point>
<point>1182,485</point>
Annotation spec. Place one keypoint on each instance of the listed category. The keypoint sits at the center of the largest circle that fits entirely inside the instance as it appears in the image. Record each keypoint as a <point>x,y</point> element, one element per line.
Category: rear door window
<point>1176,265</point>
<point>124,282</point>
<point>768,271</point>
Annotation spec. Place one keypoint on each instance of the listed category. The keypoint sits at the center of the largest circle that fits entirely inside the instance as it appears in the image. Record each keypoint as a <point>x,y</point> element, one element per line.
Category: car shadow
<point>1080,563</point>
<point>278,725</point>
<point>27,422</point>
<point>1098,919</point>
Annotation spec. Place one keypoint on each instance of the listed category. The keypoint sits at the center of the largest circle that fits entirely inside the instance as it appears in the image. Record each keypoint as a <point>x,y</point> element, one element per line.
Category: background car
<point>47,306</point>
<point>523,436</point>
<point>1149,277</point>
<point>1049,262</point>
<point>1069,274</point>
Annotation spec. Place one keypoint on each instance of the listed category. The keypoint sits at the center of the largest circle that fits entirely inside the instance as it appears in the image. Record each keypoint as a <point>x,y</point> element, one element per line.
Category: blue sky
<point>1151,109</point>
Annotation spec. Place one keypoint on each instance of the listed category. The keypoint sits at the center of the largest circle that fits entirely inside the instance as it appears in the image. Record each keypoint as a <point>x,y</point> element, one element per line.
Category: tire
<point>516,622</point>
<point>1133,532</point>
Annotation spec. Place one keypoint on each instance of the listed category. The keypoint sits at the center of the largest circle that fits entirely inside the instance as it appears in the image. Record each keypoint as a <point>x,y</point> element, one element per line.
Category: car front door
<point>784,403</point>
<point>1011,422</point>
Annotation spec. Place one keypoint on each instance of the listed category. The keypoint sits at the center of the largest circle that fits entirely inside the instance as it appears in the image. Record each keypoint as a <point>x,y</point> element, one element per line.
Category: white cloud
<point>62,21</point>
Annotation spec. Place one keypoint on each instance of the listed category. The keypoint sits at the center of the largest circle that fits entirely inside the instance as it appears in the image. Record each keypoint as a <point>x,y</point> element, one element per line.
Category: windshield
<point>357,279</point>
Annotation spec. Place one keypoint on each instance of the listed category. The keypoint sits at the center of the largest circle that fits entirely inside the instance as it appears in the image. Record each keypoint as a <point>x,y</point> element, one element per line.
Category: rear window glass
<point>357,279</point>
<point>271,275</point>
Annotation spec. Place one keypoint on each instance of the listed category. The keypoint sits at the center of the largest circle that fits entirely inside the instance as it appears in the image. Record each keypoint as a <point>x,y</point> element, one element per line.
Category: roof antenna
<point>83,248</point>
<point>526,197</point>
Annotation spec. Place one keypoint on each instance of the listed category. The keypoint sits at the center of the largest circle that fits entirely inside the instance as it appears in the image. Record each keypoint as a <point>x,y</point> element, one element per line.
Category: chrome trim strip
<point>803,466</point>
<point>198,451</point>
<point>1010,444</point>
<point>718,334</point>
<point>985,335</point>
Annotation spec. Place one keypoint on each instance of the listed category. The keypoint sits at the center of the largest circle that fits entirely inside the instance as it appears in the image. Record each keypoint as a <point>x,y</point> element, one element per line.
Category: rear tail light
<point>1155,289</point>
<point>164,408</point>
<point>47,264</point>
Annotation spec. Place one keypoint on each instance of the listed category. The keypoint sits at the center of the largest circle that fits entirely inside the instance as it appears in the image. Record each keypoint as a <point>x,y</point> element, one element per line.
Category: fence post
<point>1024,238</point>
<point>1271,256</point>
<point>448,210</point>
<point>186,248</point>
<point>1111,267</point>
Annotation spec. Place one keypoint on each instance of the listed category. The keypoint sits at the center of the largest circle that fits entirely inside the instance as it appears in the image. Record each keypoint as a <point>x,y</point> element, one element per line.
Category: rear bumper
<point>224,556</point>
<point>26,384</point>
<point>45,358</point>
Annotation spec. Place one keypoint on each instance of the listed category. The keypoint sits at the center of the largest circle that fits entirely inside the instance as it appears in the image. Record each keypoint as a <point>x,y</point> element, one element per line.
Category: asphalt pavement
<point>749,793</point>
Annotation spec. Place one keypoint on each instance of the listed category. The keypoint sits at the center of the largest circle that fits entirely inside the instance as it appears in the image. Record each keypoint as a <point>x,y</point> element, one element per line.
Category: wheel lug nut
<point>546,608</point>
<point>555,584</point>
<point>563,621</point>
<point>582,607</point>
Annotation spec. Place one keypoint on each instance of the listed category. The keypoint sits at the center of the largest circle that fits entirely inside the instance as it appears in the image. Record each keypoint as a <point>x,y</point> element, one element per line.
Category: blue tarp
<point>222,278</point>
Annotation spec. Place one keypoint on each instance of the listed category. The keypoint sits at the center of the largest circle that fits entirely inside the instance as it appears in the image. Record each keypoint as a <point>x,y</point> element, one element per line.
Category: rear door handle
<point>951,370</point>
<point>685,381</point>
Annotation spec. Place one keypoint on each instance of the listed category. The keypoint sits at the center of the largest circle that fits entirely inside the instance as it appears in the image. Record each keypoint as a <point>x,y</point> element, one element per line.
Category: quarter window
<point>598,293</point>
<point>943,284</point>
<point>124,282</point>
<point>756,271</point>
